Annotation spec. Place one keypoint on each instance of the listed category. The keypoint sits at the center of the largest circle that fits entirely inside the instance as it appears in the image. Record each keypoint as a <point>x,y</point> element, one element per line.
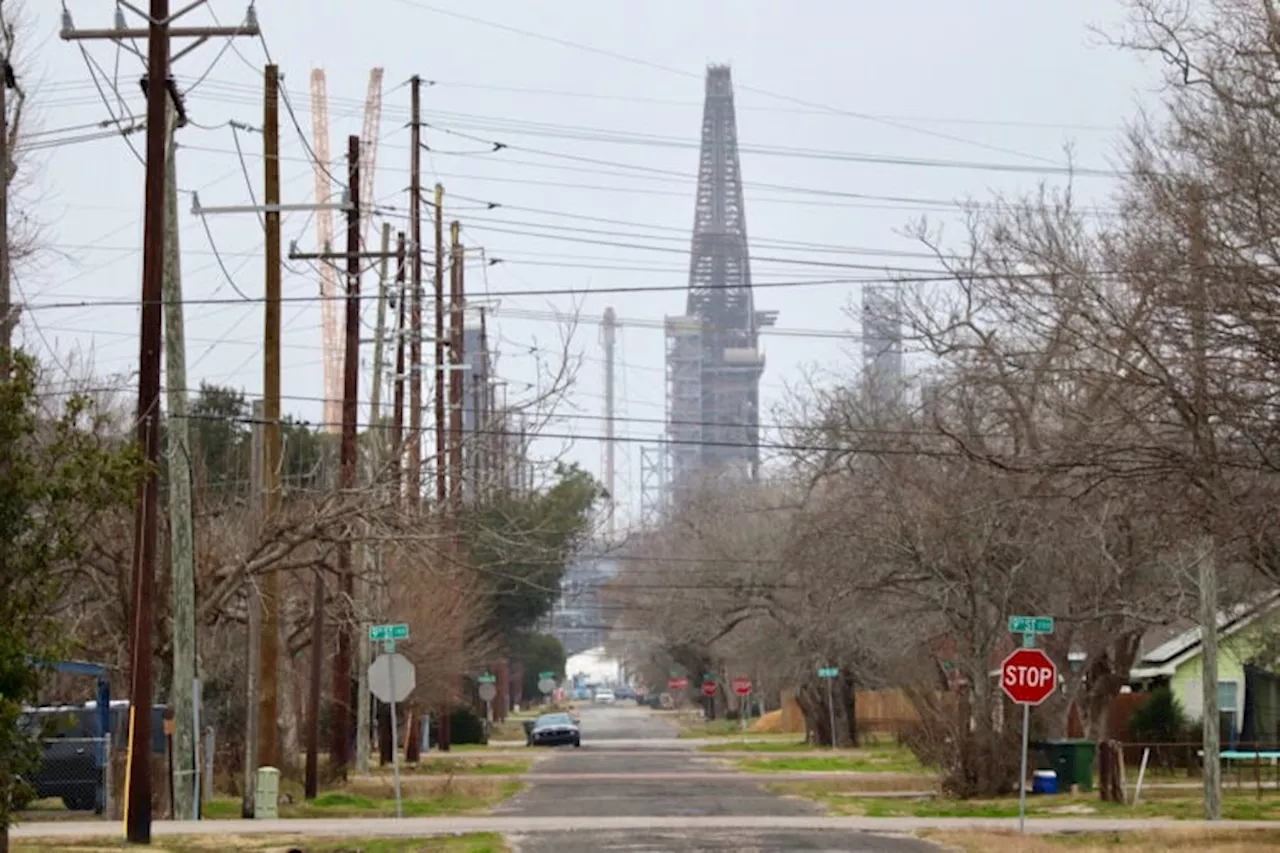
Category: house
<point>1243,632</point>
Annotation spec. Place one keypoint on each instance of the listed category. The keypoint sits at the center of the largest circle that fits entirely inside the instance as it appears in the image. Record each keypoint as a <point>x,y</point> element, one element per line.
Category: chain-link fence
<point>72,776</point>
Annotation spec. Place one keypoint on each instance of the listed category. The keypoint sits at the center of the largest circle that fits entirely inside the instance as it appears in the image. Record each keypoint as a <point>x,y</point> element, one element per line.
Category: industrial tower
<point>882,342</point>
<point>714,361</point>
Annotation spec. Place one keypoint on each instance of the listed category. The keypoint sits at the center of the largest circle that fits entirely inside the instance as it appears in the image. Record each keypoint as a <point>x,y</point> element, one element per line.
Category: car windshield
<point>554,720</point>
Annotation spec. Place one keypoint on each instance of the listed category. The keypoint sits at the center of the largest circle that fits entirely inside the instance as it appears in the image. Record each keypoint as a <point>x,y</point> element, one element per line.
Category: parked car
<point>555,730</point>
<point>604,696</point>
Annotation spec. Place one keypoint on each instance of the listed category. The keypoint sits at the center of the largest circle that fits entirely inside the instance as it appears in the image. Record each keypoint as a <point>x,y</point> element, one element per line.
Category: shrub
<point>1160,719</point>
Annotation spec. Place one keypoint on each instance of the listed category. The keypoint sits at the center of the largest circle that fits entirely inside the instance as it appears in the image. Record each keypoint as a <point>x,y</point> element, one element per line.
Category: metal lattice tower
<point>714,361</point>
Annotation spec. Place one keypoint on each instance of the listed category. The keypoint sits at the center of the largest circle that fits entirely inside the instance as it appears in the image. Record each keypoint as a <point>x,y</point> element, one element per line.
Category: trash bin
<point>528,732</point>
<point>266,800</point>
<point>1072,760</point>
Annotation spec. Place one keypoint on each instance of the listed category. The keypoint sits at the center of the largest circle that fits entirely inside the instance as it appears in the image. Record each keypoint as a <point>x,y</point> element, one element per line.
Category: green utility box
<point>1072,760</point>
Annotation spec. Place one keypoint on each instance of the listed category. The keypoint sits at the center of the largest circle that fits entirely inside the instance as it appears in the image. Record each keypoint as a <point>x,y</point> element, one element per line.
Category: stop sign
<point>1028,676</point>
<point>742,686</point>
<point>708,688</point>
<point>677,683</point>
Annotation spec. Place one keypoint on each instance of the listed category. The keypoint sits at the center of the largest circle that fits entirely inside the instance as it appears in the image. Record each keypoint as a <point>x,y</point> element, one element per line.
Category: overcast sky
<point>599,105</point>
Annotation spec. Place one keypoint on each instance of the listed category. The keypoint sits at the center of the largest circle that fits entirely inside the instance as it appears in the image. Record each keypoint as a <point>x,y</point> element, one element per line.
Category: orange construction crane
<point>334,341</point>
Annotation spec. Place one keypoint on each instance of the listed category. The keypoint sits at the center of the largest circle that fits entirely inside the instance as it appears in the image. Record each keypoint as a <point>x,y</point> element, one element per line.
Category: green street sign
<point>545,675</point>
<point>707,678</point>
<point>382,633</point>
<point>828,672</point>
<point>1030,624</point>
<point>488,678</point>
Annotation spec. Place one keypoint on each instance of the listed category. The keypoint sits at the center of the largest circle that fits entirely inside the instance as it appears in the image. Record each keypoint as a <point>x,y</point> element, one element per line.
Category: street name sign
<point>1028,676</point>
<point>382,633</point>
<point>487,678</point>
<point>828,672</point>
<point>1030,624</point>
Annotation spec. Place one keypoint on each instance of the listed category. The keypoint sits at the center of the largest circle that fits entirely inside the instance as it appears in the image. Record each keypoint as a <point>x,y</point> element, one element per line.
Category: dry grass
<point>479,843</point>
<point>1200,841</point>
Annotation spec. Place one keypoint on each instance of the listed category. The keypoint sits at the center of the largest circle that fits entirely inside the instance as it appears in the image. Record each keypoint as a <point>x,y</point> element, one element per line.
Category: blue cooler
<point>1045,782</point>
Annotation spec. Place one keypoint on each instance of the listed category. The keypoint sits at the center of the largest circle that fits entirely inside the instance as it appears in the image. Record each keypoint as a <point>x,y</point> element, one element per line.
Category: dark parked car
<point>555,730</point>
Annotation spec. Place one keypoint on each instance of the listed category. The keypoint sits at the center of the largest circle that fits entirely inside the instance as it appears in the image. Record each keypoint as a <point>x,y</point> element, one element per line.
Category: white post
<point>395,739</point>
<point>1142,771</point>
<point>1022,777</point>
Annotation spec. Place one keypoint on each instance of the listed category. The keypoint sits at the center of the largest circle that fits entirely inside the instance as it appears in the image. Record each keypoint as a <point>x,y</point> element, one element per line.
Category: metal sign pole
<point>831,709</point>
<point>195,748</point>
<point>1022,779</point>
<point>395,742</point>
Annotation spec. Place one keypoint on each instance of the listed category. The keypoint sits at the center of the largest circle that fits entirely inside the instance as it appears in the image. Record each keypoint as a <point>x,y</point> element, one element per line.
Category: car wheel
<point>577,744</point>
<point>81,802</point>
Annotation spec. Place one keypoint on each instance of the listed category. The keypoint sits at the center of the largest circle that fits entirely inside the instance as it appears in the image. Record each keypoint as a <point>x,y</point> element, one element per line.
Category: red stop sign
<point>677,683</point>
<point>708,688</point>
<point>742,686</point>
<point>1028,676</point>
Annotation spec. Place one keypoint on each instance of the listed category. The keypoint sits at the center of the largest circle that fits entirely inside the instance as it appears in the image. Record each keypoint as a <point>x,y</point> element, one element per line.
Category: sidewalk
<point>424,827</point>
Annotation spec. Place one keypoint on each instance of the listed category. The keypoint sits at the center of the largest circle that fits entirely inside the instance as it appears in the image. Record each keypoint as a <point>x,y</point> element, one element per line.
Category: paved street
<point>632,765</point>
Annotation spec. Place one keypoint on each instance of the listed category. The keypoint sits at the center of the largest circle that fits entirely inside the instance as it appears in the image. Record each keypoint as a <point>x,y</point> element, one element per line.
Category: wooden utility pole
<point>268,753</point>
<point>142,610</point>
<point>456,345</point>
<point>415,308</point>
<point>8,313</point>
<point>483,439</point>
<point>441,464</point>
<point>159,30</point>
<point>371,554</point>
<point>253,605</point>
<point>340,710</point>
<point>398,404</point>
<point>181,519</point>
<point>1206,550</point>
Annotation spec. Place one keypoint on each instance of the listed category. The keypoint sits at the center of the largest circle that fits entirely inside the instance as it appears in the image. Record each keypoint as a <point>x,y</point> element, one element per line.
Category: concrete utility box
<point>266,800</point>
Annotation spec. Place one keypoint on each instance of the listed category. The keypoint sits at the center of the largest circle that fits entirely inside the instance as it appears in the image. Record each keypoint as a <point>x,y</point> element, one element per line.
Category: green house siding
<point>1233,653</point>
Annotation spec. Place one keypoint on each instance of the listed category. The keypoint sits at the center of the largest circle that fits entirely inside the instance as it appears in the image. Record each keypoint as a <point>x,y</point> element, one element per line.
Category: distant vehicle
<point>624,692</point>
<point>555,730</point>
<point>74,751</point>
<point>604,696</point>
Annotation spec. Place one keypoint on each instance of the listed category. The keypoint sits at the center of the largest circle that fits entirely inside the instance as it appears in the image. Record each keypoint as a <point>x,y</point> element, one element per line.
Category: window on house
<point>1228,708</point>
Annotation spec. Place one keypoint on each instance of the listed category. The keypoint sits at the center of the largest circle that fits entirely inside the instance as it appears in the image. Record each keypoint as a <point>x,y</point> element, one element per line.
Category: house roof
<point>1165,658</point>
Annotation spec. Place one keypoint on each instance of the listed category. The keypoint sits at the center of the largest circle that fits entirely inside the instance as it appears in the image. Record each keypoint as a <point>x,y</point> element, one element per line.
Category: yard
<point>1190,841</point>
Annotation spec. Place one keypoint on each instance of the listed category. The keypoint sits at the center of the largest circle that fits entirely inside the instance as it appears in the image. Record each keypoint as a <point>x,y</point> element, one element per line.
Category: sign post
<point>488,691</point>
<point>742,687</point>
<point>828,674</point>
<point>392,678</point>
<point>1028,677</point>
<point>546,683</point>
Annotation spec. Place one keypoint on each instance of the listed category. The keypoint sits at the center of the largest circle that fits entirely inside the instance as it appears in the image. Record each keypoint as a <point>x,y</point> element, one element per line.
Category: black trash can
<point>528,732</point>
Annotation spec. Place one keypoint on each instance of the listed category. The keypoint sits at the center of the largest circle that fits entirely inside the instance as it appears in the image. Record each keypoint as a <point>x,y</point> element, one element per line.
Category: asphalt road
<point>624,748</point>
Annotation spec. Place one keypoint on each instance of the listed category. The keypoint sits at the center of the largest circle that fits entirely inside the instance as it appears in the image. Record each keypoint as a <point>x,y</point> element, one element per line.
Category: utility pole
<point>340,710</point>
<point>456,318</point>
<point>159,31</point>
<point>1206,551</point>
<point>608,330</point>
<point>441,464</point>
<point>268,753</point>
<point>454,505</point>
<point>415,308</point>
<point>484,411</point>
<point>8,313</point>
<point>398,404</point>
<point>181,518</point>
<point>371,553</point>
<point>253,606</point>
